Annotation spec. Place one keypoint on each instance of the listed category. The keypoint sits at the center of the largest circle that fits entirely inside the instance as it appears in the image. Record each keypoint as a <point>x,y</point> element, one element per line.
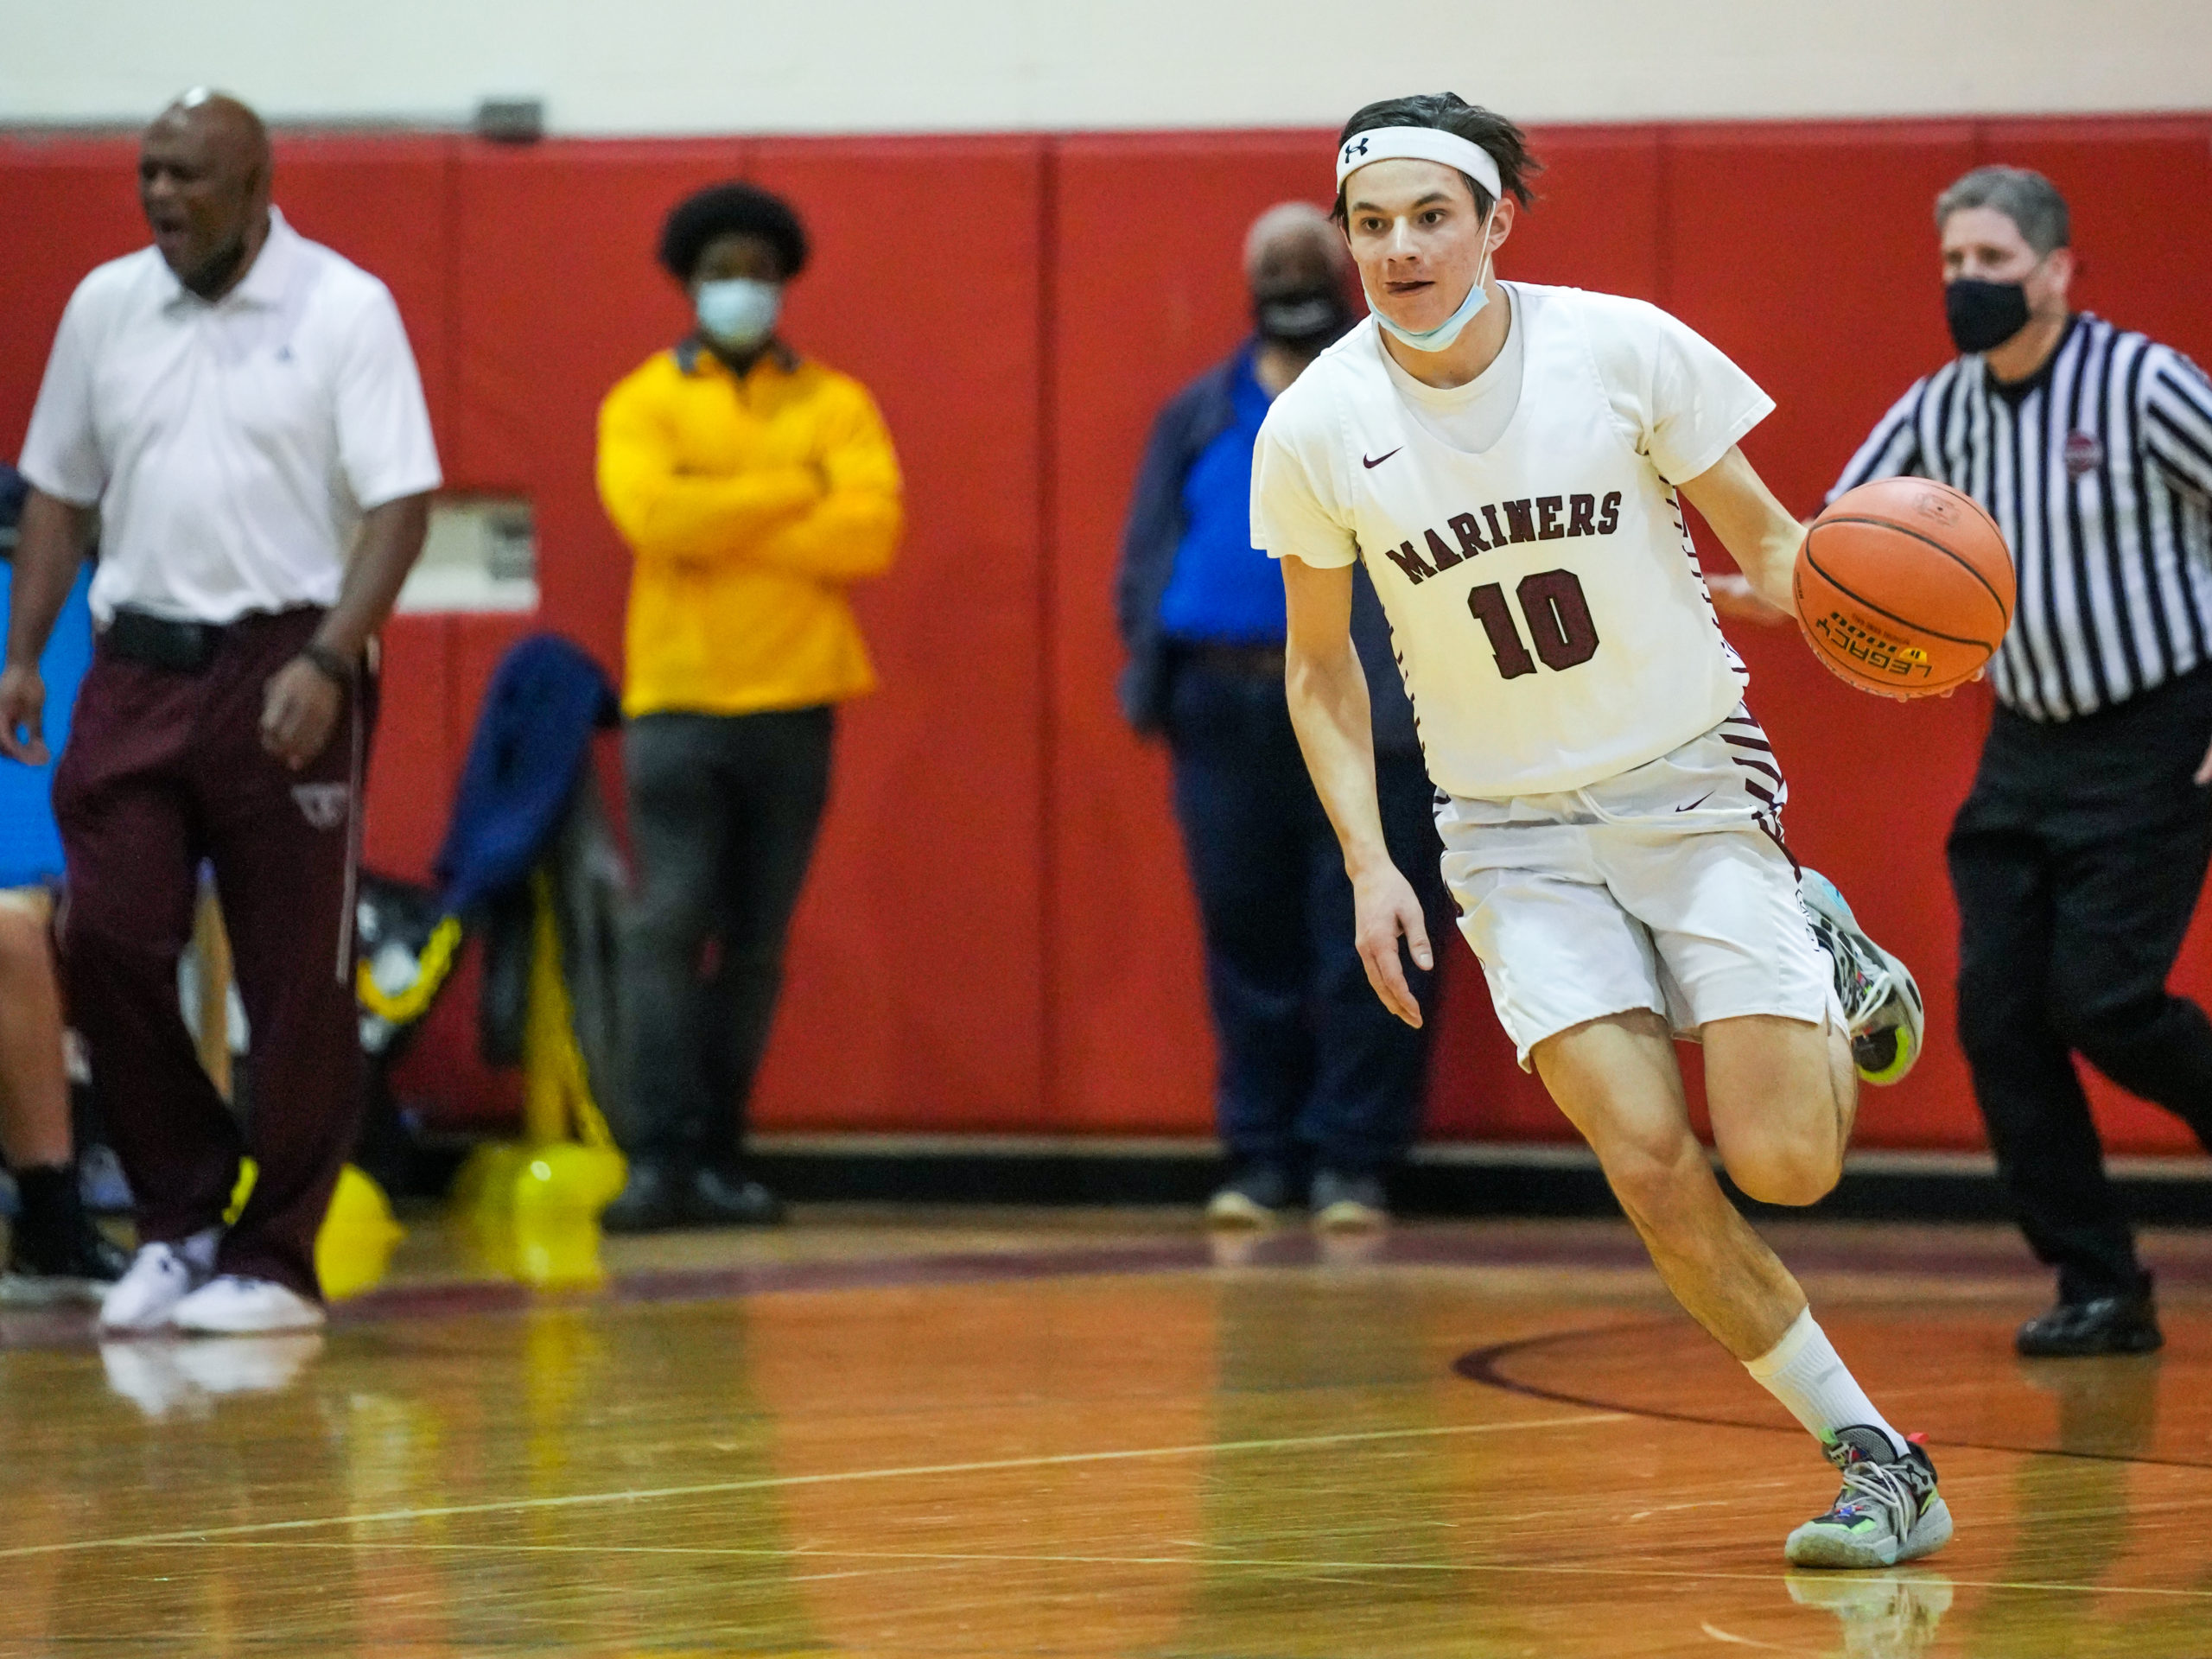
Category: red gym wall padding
<point>999,934</point>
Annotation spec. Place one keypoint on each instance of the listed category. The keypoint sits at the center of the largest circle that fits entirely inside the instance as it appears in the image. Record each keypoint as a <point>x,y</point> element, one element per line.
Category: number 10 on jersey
<point>1557,617</point>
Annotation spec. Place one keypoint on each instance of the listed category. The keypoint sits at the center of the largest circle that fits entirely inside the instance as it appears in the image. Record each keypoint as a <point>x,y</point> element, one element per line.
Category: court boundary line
<point>1196,1558</point>
<point>1482,1366</point>
<point>769,1483</point>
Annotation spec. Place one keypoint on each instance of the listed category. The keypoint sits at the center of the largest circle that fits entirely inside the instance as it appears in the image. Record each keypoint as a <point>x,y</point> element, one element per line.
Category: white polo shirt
<point>231,448</point>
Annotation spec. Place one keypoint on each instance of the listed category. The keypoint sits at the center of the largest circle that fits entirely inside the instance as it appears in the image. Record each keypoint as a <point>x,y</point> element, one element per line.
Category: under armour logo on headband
<point>1421,144</point>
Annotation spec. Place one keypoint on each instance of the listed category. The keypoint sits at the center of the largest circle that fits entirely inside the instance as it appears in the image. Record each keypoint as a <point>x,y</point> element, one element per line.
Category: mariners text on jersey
<point>1532,519</point>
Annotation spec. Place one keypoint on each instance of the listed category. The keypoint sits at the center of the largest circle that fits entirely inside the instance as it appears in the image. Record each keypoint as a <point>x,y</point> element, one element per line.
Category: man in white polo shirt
<point>240,408</point>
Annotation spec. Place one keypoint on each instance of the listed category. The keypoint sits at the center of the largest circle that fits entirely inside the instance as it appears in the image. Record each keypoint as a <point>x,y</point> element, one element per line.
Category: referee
<point>2078,857</point>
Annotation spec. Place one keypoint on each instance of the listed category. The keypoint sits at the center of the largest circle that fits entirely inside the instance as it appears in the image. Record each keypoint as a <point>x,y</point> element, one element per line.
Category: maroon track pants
<point>162,769</point>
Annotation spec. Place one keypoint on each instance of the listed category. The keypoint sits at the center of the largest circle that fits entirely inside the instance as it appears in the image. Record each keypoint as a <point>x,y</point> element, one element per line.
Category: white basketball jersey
<point>1545,601</point>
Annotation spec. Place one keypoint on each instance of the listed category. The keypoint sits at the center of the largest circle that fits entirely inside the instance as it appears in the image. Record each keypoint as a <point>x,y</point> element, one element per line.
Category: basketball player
<point>1506,460</point>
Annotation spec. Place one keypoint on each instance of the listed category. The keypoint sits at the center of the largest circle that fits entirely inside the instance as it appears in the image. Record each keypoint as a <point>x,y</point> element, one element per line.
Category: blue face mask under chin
<point>737,312</point>
<point>1440,337</point>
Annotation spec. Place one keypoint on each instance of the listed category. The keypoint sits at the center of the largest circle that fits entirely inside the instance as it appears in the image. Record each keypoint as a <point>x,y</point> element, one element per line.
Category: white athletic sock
<point>1802,1371</point>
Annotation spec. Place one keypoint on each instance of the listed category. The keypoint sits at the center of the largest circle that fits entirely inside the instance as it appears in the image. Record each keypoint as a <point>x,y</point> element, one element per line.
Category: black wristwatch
<point>328,664</point>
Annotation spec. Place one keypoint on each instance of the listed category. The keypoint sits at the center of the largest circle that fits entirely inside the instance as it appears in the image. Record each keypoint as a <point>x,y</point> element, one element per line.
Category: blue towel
<point>30,846</point>
<point>532,742</point>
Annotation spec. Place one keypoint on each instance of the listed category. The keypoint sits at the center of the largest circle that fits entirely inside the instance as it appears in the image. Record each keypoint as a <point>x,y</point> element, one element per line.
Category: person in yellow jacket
<point>754,486</point>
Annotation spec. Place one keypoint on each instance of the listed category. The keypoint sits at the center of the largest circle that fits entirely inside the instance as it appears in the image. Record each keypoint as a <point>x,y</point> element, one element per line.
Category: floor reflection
<point>1031,1439</point>
<point>165,1378</point>
<point>1885,1615</point>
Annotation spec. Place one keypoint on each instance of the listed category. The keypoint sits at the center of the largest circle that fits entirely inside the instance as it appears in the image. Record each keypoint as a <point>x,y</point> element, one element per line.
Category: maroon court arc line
<point>1484,1366</point>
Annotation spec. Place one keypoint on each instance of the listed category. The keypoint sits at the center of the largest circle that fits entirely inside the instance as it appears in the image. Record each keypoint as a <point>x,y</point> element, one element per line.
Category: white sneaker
<point>235,1306</point>
<point>160,1276</point>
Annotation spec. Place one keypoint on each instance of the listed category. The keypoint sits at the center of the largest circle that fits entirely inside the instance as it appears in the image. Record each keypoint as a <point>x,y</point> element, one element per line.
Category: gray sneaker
<point>1882,1008</point>
<point>1888,1511</point>
<point>1250,1199</point>
<point>1348,1203</point>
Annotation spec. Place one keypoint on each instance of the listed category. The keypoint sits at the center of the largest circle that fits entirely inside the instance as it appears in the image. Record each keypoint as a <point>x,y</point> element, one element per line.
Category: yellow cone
<point>353,1249</point>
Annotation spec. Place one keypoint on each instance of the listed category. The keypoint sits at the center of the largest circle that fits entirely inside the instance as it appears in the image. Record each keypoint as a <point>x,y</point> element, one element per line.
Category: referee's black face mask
<point>1984,315</point>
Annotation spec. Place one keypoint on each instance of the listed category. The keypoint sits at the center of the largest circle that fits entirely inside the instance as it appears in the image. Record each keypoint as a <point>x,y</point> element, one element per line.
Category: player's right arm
<point>1327,690</point>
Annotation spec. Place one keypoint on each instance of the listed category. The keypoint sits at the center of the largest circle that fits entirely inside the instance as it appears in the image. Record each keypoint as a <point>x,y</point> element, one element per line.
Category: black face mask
<point>1984,315</point>
<point>1304,319</point>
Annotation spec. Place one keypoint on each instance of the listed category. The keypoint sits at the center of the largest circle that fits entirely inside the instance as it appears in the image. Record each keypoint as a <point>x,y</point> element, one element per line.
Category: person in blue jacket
<point>1320,1086</point>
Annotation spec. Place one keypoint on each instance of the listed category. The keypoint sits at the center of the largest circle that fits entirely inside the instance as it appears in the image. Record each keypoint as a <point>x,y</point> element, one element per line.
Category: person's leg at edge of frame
<point>55,1250</point>
<point>33,1087</point>
<point>1617,1081</point>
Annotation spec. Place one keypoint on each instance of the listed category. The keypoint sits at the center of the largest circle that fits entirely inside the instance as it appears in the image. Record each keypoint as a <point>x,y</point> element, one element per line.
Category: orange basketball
<point>1905,586</point>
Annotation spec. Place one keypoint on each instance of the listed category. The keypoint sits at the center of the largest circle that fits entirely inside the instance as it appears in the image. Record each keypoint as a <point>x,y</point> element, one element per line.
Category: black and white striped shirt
<point>2099,471</point>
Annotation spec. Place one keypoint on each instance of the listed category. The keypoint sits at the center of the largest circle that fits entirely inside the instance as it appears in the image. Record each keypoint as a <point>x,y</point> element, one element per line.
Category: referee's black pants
<point>2077,860</point>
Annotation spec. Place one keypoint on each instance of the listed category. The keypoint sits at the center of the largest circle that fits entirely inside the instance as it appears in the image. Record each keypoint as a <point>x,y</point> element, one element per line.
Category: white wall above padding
<point>893,66</point>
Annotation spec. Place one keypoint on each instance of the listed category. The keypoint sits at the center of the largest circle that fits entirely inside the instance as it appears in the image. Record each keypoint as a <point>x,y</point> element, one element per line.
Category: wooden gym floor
<point>1073,1435</point>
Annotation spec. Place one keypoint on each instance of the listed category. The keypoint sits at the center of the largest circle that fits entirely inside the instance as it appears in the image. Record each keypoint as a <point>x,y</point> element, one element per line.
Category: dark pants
<point>1315,1071</point>
<point>165,769</point>
<point>724,810</point>
<point>2077,860</point>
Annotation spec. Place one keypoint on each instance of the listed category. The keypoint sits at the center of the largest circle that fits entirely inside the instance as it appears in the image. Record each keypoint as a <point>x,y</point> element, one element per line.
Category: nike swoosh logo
<point>1696,803</point>
<point>1378,459</point>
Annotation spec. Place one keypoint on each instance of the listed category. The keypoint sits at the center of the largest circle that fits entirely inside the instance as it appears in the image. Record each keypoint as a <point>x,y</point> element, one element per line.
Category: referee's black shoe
<point>2118,1323</point>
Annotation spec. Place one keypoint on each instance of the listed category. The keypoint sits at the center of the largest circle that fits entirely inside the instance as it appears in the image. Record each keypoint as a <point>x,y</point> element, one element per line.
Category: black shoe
<point>2117,1323</point>
<point>55,1252</point>
<point>717,1199</point>
<point>647,1202</point>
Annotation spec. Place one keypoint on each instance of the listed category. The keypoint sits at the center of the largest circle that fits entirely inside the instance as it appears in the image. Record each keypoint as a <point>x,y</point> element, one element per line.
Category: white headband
<point>1418,144</point>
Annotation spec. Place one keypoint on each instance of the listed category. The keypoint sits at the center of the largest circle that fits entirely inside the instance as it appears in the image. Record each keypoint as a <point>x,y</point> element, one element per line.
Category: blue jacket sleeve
<point>1191,420</point>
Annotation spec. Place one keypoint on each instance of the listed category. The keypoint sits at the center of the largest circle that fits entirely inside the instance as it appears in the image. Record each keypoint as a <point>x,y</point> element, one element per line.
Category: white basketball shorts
<point>1667,887</point>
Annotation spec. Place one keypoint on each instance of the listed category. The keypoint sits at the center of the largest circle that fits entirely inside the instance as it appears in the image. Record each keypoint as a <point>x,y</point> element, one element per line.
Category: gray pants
<point>723,811</point>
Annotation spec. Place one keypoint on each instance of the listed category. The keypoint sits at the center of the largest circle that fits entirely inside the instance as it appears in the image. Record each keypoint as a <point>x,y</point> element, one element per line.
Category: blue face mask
<point>1440,337</point>
<point>738,312</point>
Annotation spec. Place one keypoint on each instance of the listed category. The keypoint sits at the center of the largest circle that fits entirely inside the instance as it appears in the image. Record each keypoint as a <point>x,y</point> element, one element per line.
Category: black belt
<point>160,642</point>
<point>182,647</point>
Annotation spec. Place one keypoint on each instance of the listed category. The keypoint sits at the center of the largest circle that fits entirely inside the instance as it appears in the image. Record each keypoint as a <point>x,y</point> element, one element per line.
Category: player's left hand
<point>1385,909</point>
<point>2204,769</point>
<point>299,708</point>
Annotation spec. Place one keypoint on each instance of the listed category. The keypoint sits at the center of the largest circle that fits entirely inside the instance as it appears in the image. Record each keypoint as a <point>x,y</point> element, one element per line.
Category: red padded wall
<point>74,203</point>
<point>999,932</point>
<point>914,997</point>
<point>1146,239</point>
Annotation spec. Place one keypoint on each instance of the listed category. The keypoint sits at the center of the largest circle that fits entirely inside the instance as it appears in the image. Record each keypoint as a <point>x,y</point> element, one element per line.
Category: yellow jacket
<point>750,505</point>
